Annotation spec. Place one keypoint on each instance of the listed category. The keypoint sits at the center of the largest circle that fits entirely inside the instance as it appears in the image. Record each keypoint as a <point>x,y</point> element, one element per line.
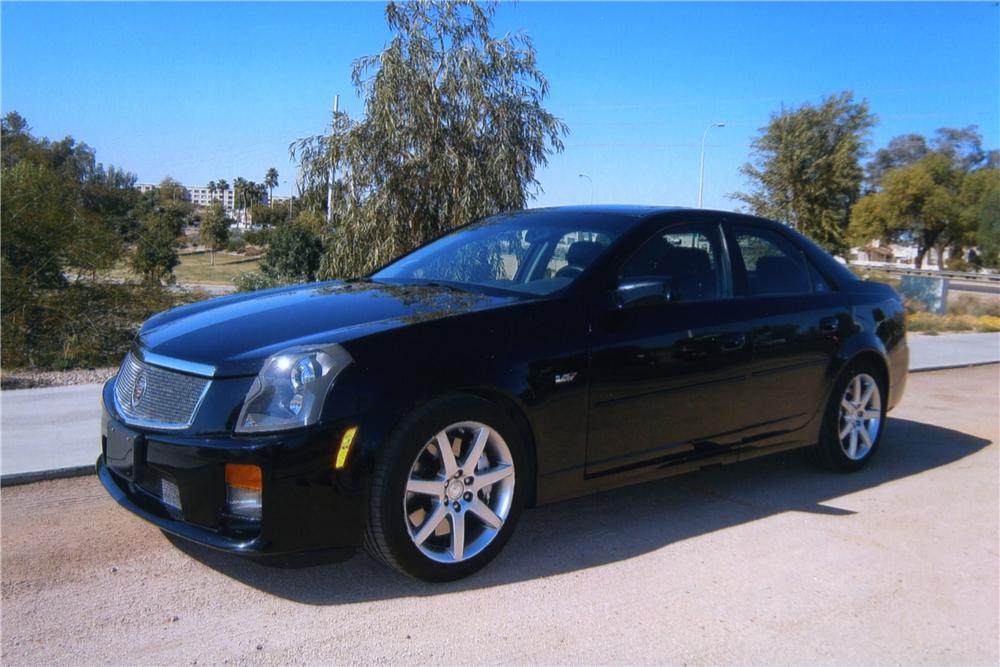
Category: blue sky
<point>201,91</point>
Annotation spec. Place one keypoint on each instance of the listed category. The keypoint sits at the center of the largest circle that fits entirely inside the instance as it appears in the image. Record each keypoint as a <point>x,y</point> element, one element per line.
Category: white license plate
<point>169,493</point>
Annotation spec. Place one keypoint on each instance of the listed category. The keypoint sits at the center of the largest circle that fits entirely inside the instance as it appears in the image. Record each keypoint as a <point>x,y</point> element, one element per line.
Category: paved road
<point>979,287</point>
<point>766,562</point>
<point>957,349</point>
<point>49,428</point>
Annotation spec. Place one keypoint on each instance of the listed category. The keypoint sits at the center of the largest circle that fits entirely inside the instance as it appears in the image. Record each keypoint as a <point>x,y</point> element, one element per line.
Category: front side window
<point>690,257</point>
<point>515,252</point>
<point>774,265</point>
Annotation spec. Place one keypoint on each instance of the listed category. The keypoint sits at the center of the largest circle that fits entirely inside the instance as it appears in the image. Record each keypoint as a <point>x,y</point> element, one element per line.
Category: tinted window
<point>690,256</point>
<point>773,264</point>
<point>517,252</point>
<point>574,252</point>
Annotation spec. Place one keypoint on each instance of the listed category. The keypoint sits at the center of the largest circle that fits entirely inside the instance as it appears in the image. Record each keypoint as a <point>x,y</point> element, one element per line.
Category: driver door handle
<point>733,342</point>
<point>829,324</point>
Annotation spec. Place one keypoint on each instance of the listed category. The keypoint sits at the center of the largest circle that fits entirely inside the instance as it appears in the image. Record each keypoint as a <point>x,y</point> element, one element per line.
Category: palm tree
<point>239,196</point>
<point>271,182</point>
<point>211,190</point>
<point>222,187</point>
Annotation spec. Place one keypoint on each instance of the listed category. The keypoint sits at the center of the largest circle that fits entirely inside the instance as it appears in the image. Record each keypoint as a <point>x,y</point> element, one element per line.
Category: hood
<point>235,334</point>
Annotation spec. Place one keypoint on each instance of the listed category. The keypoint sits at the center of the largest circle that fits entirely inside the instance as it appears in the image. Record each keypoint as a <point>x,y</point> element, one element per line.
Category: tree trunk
<point>940,257</point>
<point>918,261</point>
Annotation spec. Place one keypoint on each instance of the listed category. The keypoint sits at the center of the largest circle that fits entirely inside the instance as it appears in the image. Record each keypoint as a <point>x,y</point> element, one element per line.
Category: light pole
<point>589,180</point>
<point>701,173</point>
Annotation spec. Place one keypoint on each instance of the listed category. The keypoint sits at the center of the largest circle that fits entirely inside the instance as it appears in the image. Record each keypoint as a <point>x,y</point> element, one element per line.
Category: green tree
<point>988,229</point>
<point>918,203</point>
<point>65,219</point>
<point>453,130</point>
<point>215,229</point>
<point>293,254</point>
<point>806,168</point>
<point>900,151</point>
<point>154,254</point>
<point>271,182</point>
<point>933,190</point>
<point>267,216</point>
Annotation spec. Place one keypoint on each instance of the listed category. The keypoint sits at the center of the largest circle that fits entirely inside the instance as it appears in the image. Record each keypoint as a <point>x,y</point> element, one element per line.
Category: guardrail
<point>955,275</point>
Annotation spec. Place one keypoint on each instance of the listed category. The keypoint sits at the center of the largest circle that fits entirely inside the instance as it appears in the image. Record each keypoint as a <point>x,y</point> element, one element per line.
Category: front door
<point>667,378</point>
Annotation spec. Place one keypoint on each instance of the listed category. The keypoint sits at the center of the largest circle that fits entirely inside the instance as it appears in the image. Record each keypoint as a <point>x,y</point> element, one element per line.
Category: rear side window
<point>774,265</point>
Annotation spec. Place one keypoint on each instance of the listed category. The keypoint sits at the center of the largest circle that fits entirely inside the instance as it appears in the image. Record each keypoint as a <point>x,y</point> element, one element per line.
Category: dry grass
<point>198,268</point>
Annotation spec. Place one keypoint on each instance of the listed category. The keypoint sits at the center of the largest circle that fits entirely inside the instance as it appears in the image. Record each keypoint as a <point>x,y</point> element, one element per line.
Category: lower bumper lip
<point>174,527</point>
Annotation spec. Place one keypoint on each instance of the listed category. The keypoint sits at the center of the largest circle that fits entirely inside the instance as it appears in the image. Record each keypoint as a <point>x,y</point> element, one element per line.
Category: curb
<point>16,479</point>
<point>953,366</point>
<point>19,478</point>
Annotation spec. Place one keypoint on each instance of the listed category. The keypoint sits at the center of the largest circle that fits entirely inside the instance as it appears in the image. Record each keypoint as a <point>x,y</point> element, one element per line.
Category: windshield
<point>532,254</point>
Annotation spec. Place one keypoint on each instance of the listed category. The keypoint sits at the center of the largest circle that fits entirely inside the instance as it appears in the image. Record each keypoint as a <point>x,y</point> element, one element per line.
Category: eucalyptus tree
<point>928,193</point>
<point>453,130</point>
<point>271,182</point>
<point>806,169</point>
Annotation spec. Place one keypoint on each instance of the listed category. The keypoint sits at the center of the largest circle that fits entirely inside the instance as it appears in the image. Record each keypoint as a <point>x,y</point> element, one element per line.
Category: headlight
<point>291,388</point>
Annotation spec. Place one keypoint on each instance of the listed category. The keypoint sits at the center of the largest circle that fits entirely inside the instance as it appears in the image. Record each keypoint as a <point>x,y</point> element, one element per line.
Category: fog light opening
<point>345,447</point>
<point>243,490</point>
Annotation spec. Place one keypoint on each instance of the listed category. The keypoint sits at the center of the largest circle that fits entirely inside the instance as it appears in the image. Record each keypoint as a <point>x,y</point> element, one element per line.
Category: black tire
<point>831,451</point>
<point>388,535</point>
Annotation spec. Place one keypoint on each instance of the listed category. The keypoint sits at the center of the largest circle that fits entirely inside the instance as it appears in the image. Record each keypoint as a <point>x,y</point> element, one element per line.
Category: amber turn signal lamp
<point>243,476</point>
<point>345,447</point>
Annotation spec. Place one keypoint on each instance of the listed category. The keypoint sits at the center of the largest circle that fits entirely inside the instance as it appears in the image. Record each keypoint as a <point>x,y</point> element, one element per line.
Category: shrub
<point>78,326</point>
<point>235,244</point>
<point>293,254</point>
<point>257,237</point>
<point>252,281</point>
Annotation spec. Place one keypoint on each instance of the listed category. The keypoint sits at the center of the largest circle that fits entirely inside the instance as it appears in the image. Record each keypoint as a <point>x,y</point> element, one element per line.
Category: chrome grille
<point>168,399</point>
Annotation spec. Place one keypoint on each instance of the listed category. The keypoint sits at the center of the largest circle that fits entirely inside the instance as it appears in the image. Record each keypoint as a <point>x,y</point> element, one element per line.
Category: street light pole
<point>589,180</point>
<point>701,173</point>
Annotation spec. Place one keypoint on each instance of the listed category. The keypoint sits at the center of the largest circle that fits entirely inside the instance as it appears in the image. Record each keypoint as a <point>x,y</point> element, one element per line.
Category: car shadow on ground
<point>621,524</point>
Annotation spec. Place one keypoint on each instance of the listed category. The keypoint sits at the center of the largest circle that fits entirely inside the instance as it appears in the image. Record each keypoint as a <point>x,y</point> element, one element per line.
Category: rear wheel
<point>854,420</point>
<point>447,490</point>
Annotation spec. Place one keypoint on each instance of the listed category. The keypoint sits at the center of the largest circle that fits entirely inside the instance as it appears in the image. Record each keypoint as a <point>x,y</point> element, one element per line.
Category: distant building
<point>898,255</point>
<point>200,195</point>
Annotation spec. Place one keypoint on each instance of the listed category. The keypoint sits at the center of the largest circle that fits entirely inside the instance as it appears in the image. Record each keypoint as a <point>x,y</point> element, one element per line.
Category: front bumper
<point>308,505</point>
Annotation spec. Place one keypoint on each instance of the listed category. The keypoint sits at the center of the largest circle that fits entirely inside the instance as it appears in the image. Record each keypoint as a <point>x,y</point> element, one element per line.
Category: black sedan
<point>524,359</point>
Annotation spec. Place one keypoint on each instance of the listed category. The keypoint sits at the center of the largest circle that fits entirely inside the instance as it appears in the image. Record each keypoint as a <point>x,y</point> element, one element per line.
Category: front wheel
<point>447,490</point>
<point>854,420</point>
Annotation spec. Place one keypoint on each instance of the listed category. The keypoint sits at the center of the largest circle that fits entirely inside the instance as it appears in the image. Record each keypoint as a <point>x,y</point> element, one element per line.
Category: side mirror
<point>641,291</point>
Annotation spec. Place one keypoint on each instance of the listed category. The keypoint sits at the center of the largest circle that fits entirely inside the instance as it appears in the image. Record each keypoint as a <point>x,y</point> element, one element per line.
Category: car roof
<point>623,210</point>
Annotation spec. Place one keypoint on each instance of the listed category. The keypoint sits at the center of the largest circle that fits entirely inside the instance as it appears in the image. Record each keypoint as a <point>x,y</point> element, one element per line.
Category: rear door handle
<point>733,342</point>
<point>829,324</point>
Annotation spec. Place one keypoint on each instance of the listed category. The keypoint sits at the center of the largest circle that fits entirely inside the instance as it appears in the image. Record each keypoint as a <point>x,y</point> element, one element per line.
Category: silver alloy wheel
<point>860,416</point>
<point>459,492</point>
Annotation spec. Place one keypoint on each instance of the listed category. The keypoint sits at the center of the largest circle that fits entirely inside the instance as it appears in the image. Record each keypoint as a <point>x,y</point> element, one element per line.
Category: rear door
<point>667,378</point>
<point>796,323</point>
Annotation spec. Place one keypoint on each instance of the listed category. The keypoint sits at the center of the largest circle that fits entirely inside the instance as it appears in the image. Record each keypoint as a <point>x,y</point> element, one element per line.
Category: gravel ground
<point>30,379</point>
<point>761,563</point>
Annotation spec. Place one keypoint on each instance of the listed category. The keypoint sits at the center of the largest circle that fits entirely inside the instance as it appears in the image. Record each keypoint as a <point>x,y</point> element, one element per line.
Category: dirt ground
<point>766,562</point>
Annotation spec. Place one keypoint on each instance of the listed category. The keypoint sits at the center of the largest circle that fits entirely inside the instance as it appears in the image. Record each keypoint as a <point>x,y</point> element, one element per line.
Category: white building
<point>894,255</point>
<point>200,195</point>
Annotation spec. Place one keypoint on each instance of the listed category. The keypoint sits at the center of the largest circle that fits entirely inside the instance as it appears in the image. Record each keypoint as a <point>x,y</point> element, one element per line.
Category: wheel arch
<point>517,415</point>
